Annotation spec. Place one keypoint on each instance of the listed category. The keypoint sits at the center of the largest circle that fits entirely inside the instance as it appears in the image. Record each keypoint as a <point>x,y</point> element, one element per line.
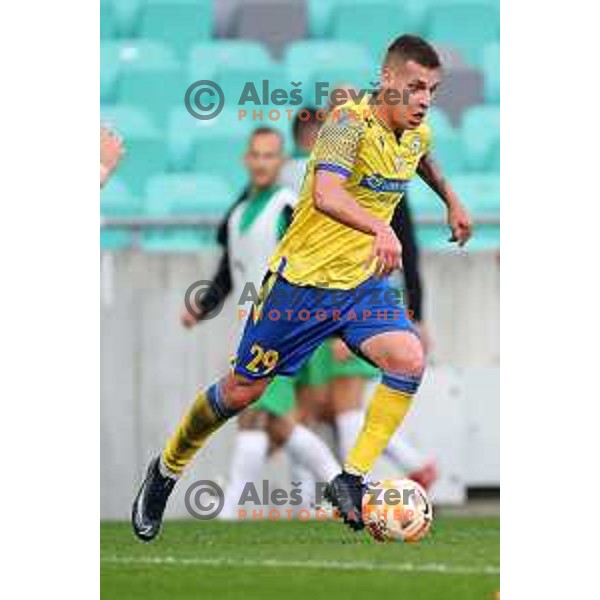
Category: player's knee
<point>408,358</point>
<point>241,392</point>
<point>403,368</point>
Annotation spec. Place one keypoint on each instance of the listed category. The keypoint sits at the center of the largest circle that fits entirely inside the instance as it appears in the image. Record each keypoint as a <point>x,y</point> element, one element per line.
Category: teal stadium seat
<point>352,20</point>
<point>319,17</point>
<point>220,145</point>
<point>149,75</point>
<point>425,204</point>
<point>361,79</point>
<point>108,26</point>
<point>479,191</point>
<point>206,59</point>
<point>127,16</point>
<point>144,145</point>
<point>481,194</point>
<point>189,139</point>
<point>447,147</point>
<point>467,27</point>
<point>117,201</point>
<point>233,81</point>
<point>184,195</point>
<point>481,137</point>
<point>304,58</point>
<point>109,77</point>
<point>490,64</point>
<point>179,23</point>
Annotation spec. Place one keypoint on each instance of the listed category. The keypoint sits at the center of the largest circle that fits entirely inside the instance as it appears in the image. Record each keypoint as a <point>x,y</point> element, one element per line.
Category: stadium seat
<point>423,200</point>
<point>221,153</point>
<point>490,64</point>
<point>448,150</point>
<point>462,88</point>
<point>117,201</point>
<point>109,77</point>
<point>155,89</point>
<point>425,204</point>
<point>439,122</point>
<point>127,15</point>
<point>234,78</point>
<point>450,57</point>
<point>479,192</point>
<point>304,58</point>
<point>361,79</point>
<point>110,60</point>
<point>467,27</point>
<point>494,158</point>
<point>350,21</point>
<point>276,24</point>
<point>206,59</point>
<point>187,137</point>
<point>108,26</point>
<point>481,195</point>
<point>481,135</point>
<point>148,75</point>
<point>180,23</point>
<point>448,147</point>
<point>144,146</point>
<point>319,17</point>
<point>185,196</point>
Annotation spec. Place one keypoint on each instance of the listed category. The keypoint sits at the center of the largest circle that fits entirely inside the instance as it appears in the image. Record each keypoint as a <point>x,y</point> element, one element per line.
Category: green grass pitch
<point>306,560</point>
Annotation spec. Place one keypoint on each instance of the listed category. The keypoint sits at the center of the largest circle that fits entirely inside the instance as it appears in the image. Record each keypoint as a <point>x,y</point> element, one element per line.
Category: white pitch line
<point>304,564</point>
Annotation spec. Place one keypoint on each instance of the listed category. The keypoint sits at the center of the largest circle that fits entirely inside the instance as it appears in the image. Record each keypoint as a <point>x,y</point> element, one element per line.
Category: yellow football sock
<point>386,412</point>
<point>204,417</point>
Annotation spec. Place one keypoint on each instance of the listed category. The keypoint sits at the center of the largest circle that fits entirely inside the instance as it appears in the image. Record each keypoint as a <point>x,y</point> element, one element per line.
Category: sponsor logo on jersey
<point>379,183</point>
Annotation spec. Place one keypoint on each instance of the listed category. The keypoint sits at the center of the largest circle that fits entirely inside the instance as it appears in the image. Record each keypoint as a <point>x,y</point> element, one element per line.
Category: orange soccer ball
<point>397,510</point>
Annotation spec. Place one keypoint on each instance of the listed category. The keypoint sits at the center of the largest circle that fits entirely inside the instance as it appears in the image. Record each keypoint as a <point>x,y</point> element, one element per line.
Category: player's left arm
<point>458,217</point>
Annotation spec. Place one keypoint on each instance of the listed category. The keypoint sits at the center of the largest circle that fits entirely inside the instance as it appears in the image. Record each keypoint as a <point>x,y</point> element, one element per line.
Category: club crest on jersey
<point>415,144</point>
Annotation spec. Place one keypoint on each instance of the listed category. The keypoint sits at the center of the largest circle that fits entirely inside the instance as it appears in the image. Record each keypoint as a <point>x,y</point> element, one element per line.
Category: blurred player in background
<point>248,236</point>
<point>334,259</point>
<point>111,152</point>
<point>304,130</point>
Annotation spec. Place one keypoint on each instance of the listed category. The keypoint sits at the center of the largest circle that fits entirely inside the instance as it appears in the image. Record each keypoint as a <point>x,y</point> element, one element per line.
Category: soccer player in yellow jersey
<point>328,277</point>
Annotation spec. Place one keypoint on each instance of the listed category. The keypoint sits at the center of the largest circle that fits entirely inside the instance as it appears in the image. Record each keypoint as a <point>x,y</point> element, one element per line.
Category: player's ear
<point>386,75</point>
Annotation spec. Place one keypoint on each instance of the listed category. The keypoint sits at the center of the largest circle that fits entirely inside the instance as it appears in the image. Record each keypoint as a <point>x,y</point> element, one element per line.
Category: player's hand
<point>340,350</point>
<point>188,320</point>
<point>387,251</point>
<point>111,152</point>
<point>460,224</point>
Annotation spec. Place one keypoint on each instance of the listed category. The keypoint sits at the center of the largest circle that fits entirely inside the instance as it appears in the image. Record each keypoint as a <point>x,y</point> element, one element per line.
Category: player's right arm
<point>331,198</point>
<point>335,153</point>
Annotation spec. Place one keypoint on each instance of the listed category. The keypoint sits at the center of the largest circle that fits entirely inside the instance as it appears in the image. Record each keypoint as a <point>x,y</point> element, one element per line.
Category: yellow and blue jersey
<point>377,164</point>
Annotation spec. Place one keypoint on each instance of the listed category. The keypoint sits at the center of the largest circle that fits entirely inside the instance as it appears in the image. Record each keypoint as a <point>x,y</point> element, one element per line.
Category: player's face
<point>264,159</point>
<point>416,86</point>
